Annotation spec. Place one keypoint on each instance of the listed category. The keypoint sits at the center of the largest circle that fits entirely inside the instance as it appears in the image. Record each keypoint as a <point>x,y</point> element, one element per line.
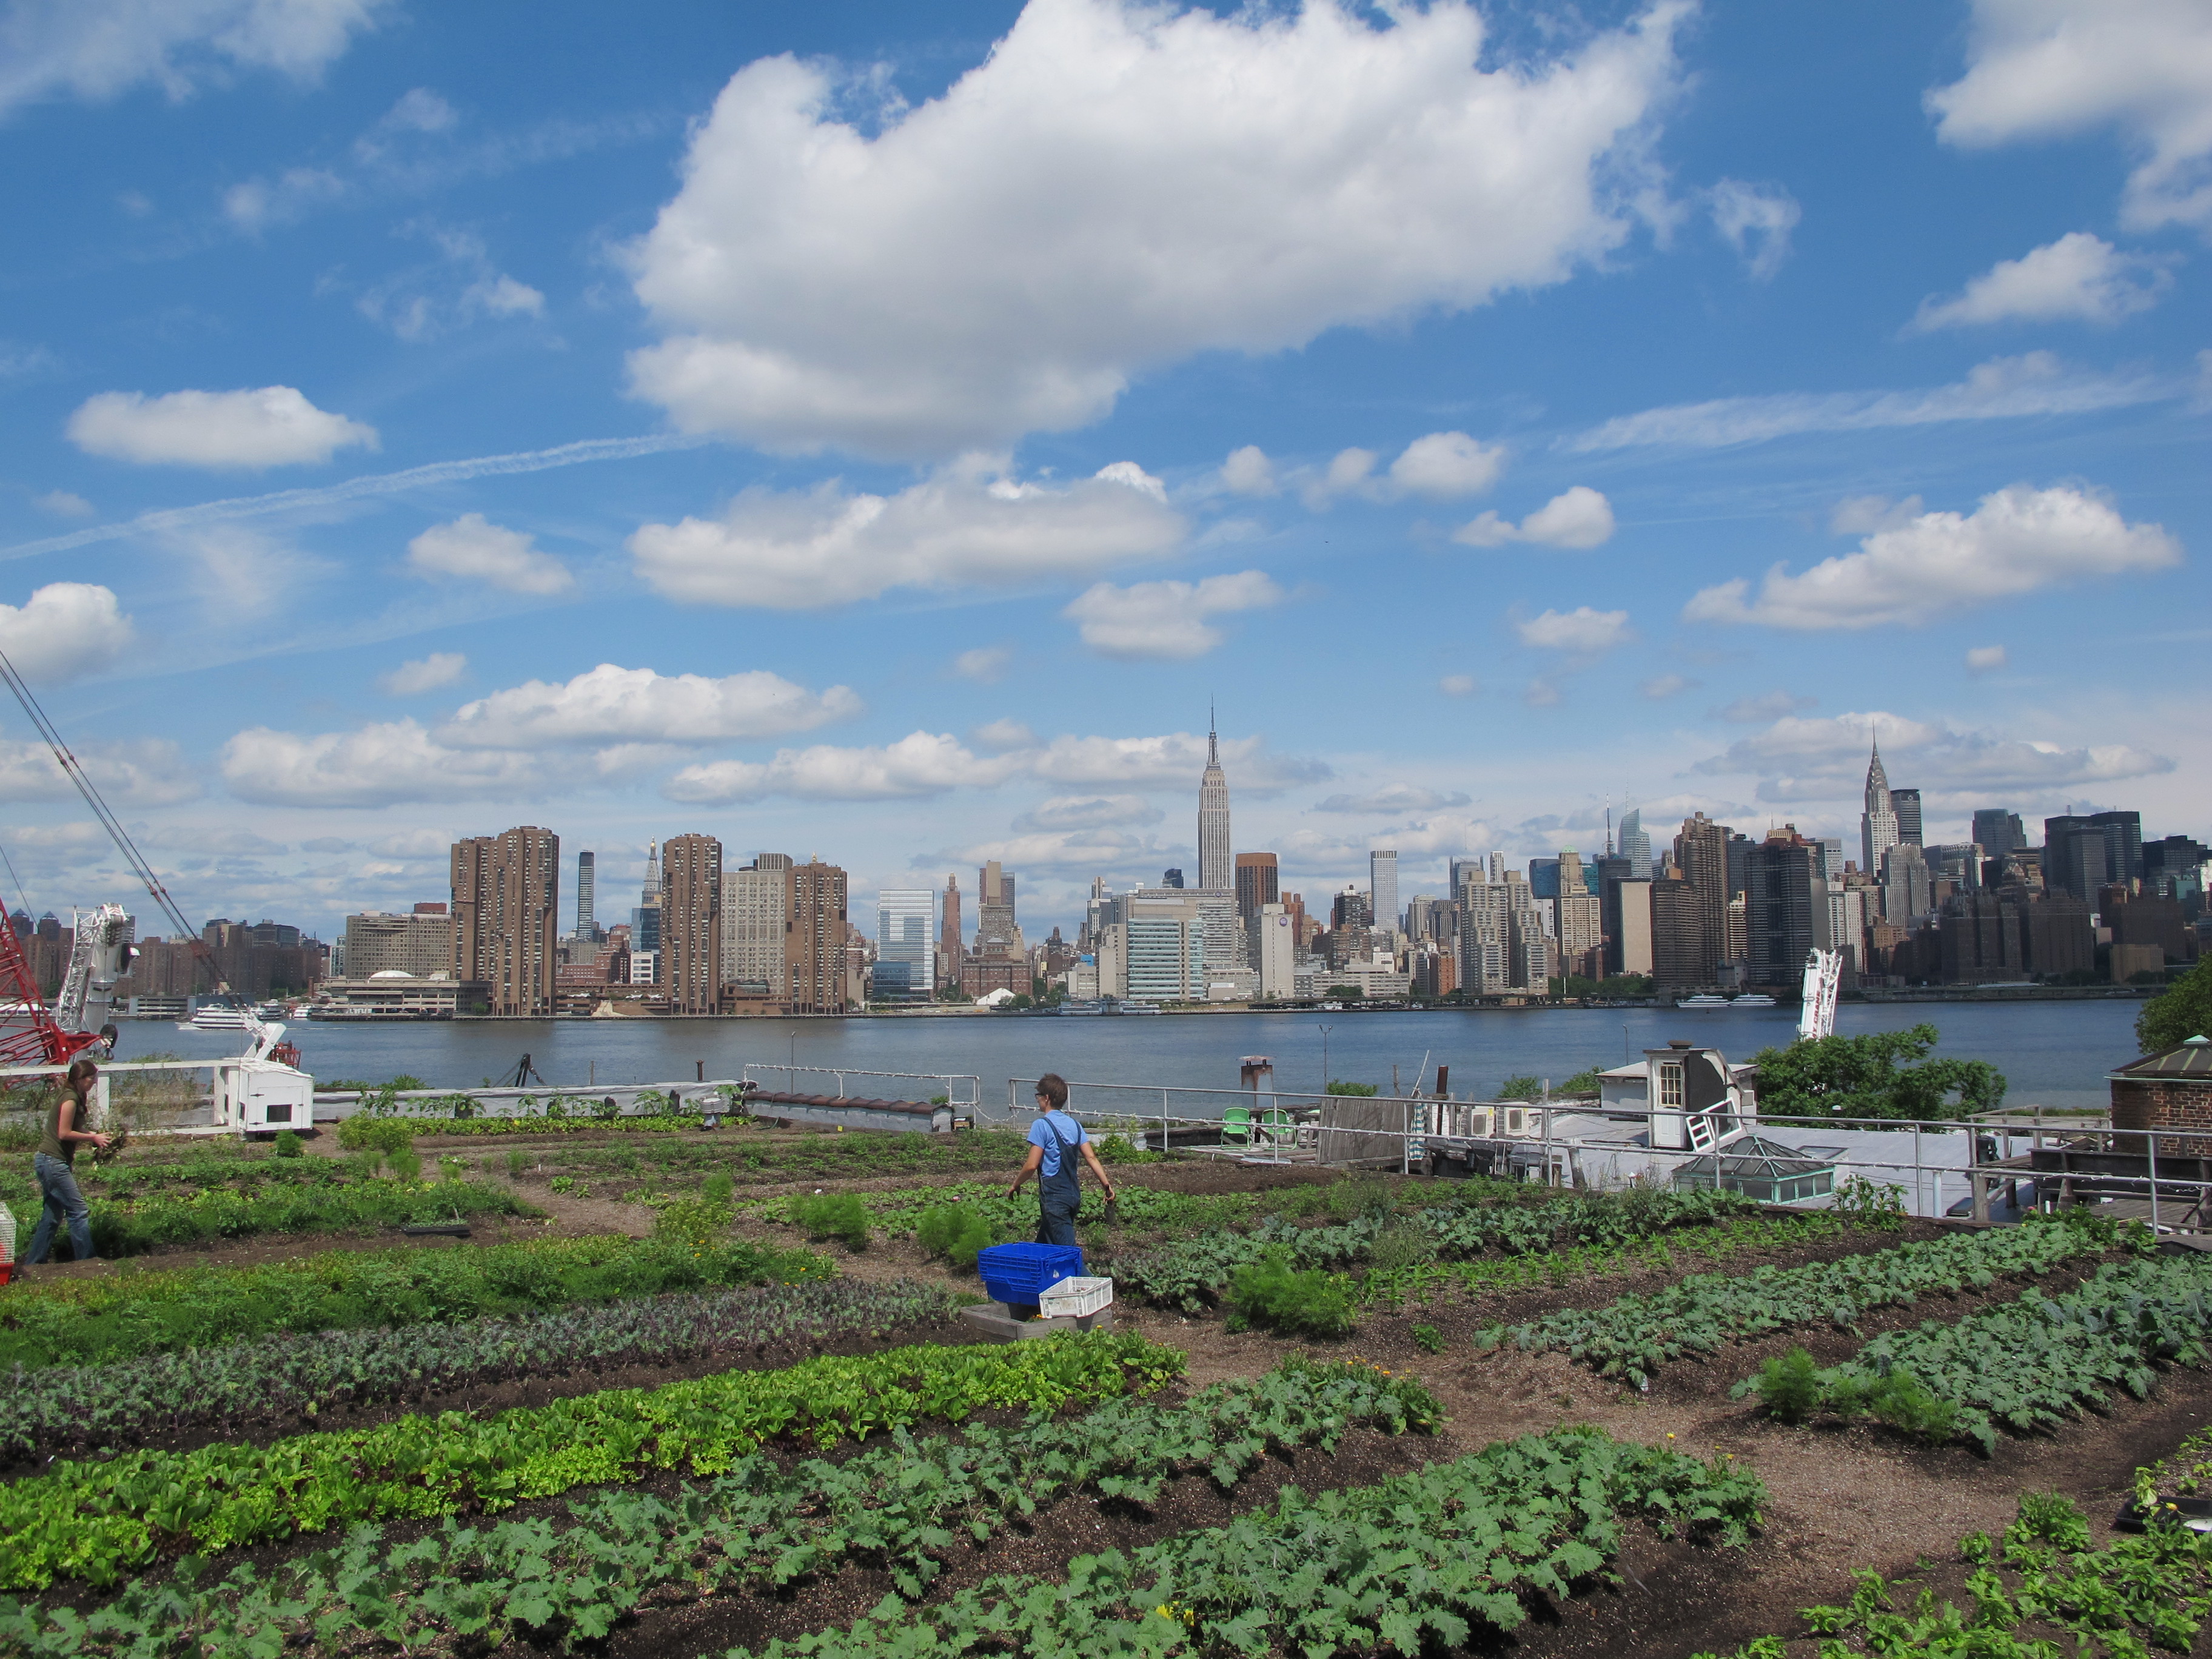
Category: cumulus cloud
<point>1660,687</point>
<point>62,504</point>
<point>1855,515</point>
<point>1170,760</point>
<point>969,524</point>
<point>986,665</point>
<point>1458,685</point>
<point>411,680</point>
<point>1756,220</point>
<point>1581,632</point>
<point>1985,659</point>
<point>64,631</point>
<point>1248,471</point>
<point>1581,518</point>
<point>1079,852</point>
<point>275,426</point>
<point>1767,706</point>
<point>919,765</point>
<point>2042,68</point>
<point>256,204</point>
<point>1061,812</point>
<point>2077,279</point>
<point>95,49</point>
<point>2004,388</point>
<point>1000,735</point>
<point>142,772</point>
<point>1813,760</point>
<point>1003,258</point>
<point>1166,620</point>
<point>2016,541</point>
<point>637,705</point>
<point>1441,467</point>
<point>377,765</point>
<point>474,548</point>
<point>1396,798</point>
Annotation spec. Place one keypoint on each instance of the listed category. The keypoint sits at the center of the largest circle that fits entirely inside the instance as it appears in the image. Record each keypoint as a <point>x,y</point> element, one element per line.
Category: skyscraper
<point>1999,831</point>
<point>1877,824</point>
<point>1635,845</point>
<point>1217,869</point>
<point>1259,882</point>
<point>904,951</point>
<point>1576,921</point>
<point>948,934</point>
<point>1778,901</point>
<point>997,933</point>
<point>1382,892</point>
<point>645,920</point>
<point>587,925</point>
<point>1905,803</point>
<point>507,903</point>
<point>815,947</point>
<point>691,924</point>
<point>1701,853</point>
<point>756,919</point>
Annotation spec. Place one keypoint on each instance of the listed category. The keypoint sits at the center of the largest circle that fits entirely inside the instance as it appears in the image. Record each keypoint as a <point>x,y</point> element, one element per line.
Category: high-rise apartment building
<point>1485,933</point>
<point>587,925</point>
<point>755,925</point>
<point>1878,821</point>
<point>906,953</point>
<point>1678,933</point>
<point>1259,882</point>
<point>1528,954</point>
<point>1382,892</point>
<point>506,900</point>
<point>1576,921</point>
<point>814,945</point>
<point>1701,853</point>
<point>1217,869</point>
<point>997,932</point>
<point>948,934</point>
<point>1905,803</point>
<point>421,944</point>
<point>1784,884</point>
<point>691,923</point>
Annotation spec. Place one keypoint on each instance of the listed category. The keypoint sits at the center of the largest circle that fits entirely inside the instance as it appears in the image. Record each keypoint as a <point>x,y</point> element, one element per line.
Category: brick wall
<point>2166,1104</point>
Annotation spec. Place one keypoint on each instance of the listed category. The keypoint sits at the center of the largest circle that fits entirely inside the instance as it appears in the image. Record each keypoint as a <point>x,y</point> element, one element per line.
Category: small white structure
<point>998,998</point>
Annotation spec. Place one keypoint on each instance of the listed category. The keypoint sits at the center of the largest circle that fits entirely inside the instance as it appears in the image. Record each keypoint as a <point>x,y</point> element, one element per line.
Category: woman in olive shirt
<point>55,1165</point>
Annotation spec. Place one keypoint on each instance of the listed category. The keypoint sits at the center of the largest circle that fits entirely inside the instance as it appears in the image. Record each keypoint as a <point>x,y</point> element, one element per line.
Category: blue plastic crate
<point>1017,1274</point>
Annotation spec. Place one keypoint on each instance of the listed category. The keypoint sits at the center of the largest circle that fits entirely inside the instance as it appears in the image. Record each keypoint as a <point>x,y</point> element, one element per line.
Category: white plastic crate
<point>1073,1297</point>
<point>6,1234</point>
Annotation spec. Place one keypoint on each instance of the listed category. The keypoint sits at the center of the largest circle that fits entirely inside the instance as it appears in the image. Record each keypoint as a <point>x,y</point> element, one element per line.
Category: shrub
<point>517,1162</point>
<point>289,1145</point>
<point>1522,1086</point>
<point>1790,1386</point>
<point>1273,1294</point>
<point>717,1188</point>
<point>955,1231</point>
<point>363,1133</point>
<point>840,1216</point>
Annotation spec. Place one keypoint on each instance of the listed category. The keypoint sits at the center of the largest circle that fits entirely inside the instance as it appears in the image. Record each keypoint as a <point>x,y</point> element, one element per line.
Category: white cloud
<point>1061,812</point>
<point>1662,686</point>
<point>1003,258</point>
<point>1855,515</point>
<point>1081,853</point>
<point>1000,735</point>
<point>1166,620</point>
<point>1248,471</point>
<point>2016,541</point>
<point>1756,220</point>
<point>2042,68</point>
<point>986,665</point>
<point>919,765</point>
<point>1768,706</point>
<point>143,772</point>
<point>969,524</point>
<point>1986,658</point>
<point>1582,631</point>
<point>1579,518</point>
<point>95,49</point>
<point>1815,760</point>
<point>1349,470</point>
<point>377,765</point>
<point>2003,388</point>
<point>459,287</point>
<point>64,630</point>
<point>257,204</point>
<point>411,680</point>
<point>1445,466</point>
<point>62,504</point>
<point>1458,685</point>
<point>414,844</point>
<point>275,426</point>
<point>619,705</point>
<point>1168,761</point>
<point>2077,279</point>
<point>474,548</point>
<point>1397,798</point>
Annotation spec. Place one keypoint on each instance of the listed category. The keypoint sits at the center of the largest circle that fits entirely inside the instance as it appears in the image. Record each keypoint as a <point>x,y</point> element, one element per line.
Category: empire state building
<point>1217,866</point>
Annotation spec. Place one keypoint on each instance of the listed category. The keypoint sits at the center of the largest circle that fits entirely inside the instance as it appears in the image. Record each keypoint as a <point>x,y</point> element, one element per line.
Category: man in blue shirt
<point>1054,1139</point>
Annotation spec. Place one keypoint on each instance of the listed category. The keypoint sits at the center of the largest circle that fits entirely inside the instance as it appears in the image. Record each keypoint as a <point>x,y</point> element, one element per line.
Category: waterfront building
<point>1878,820</point>
<point>756,929</point>
<point>1382,892</point>
<point>1259,882</point>
<point>506,920</point>
<point>1273,948</point>
<point>691,923</point>
<point>1677,934</point>
<point>1216,866</point>
<point>1152,946</point>
<point>420,945</point>
<point>1701,852</point>
<point>814,948</point>
<point>1785,876</point>
<point>1576,921</point>
<point>1485,932</point>
<point>906,953</point>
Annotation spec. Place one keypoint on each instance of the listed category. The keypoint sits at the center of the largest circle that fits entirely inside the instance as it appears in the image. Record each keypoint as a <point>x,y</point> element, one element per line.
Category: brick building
<point>2168,1091</point>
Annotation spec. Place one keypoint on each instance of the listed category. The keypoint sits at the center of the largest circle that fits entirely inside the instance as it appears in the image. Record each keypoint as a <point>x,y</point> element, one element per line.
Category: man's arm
<point>65,1131</point>
<point>1090,1157</point>
<point>1036,1158</point>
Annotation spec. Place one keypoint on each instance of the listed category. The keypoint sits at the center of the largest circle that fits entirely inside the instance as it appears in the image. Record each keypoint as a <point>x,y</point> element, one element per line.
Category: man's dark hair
<point>1053,1087</point>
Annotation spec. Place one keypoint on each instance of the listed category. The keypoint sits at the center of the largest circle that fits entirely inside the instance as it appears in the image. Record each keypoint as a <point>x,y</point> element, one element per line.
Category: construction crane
<point>1824,978</point>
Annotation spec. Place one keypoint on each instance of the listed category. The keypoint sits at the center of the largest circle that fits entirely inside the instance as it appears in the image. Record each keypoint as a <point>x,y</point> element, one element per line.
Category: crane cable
<point>74,770</point>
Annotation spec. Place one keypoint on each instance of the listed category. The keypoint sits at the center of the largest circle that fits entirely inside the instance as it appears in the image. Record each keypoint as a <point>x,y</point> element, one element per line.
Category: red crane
<point>28,1033</point>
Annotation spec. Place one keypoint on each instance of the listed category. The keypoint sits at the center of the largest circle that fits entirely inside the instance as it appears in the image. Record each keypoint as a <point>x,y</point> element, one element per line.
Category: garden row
<point>1456,1545</point>
<point>231,1390</point>
<point>96,1521</point>
<point>137,1312</point>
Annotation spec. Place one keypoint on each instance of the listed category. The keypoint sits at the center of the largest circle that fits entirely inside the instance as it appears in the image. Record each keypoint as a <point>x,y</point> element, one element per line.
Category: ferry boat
<point>214,1018</point>
<point>1703,999</point>
<point>1753,999</point>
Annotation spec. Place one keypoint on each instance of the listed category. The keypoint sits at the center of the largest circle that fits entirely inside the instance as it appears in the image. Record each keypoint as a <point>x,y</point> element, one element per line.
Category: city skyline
<point>382,475</point>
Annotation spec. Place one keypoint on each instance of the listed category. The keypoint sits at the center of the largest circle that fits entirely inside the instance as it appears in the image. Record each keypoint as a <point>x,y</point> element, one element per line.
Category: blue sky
<point>879,432</point>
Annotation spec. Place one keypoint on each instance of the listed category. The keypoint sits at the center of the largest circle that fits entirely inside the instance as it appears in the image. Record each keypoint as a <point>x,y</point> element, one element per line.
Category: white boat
<point>1753,999</point>
<point>1703,999</point>
<point>214,1018</point>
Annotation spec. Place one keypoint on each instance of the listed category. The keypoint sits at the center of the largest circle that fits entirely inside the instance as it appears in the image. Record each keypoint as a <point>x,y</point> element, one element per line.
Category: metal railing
<point>969,1099</point>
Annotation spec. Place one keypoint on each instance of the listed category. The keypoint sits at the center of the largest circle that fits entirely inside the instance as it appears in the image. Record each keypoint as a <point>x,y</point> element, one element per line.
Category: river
<point>2054,1053</point>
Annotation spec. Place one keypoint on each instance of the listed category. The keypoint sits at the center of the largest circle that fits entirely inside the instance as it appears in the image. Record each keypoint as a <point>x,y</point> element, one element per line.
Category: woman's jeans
<point>64,1203</point>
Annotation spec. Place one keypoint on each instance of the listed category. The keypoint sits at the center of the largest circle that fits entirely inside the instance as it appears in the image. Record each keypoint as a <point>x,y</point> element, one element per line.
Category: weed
<point>405,1163</point>
<point>1902,1401</point>
<point>955,1231</point>
<point>1404,1243</point>
<point>840,1216</point>
<point>1871,1203</point>
<point>1273,1294</point>
<point>1350,1200</point>
<point>517,1162</point>
<point>1429,1338</point>
<point>2048,1517</point>
<point>717,1188</point>
<point>289,1145</point>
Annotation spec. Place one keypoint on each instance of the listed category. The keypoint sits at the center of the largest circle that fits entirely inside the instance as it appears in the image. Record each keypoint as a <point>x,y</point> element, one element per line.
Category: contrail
<point>381,484</point>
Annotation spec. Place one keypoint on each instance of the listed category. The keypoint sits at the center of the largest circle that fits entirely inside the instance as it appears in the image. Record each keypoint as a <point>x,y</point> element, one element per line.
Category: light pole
<point>1324,1031</point>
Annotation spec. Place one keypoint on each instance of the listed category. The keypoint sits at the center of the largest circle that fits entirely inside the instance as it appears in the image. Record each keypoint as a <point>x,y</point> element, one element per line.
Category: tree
<point>2183,1012</point>
<point>1344,993</point>
<point>1360,1090</point>
<point>1522,1086</point>
<point>1869,1076</point>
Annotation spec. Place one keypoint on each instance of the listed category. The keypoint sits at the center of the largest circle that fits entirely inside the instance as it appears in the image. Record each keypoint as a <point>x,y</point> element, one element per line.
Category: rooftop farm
<point>702,1393</point>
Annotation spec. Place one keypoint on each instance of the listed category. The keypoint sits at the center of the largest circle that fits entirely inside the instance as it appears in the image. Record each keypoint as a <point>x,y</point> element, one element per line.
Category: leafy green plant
<point>288,1144</point>
<point>569,1186</point>
<point>1278,1296</point>
<point>1584,1082</point>
<point>1521,1086</point>
<point>1870,1203</point>
<point>958,1232</point>
<point>517,1162</point>
<point>840,1216</point>
<point>1429,1338</point>
<point>1787,1386</point>
<point>1868,1076</point>
<point>405,1165</point>
<point>362,1133</point>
